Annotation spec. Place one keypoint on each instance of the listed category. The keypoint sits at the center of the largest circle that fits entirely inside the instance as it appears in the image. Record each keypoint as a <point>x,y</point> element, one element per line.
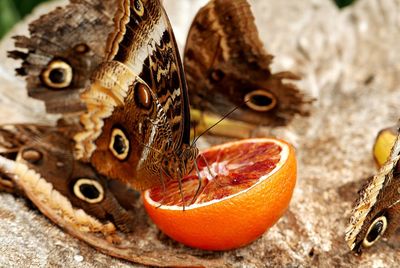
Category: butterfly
<point>114,72</point>
<point>227,66</point>
<point>377,210</point>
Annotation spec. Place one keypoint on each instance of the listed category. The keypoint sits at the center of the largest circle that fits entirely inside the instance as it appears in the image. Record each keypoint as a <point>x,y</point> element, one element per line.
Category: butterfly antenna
<point>194,135</point>
<point>219,121</point>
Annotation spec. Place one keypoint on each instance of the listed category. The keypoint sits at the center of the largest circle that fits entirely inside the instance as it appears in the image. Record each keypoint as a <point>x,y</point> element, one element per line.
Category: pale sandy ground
<point>349,61</point>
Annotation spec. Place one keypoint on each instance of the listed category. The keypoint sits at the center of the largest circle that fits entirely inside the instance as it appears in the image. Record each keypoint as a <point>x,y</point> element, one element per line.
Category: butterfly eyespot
<point>217,75</point>
<point>32,156</point>
<point>138,7</point>
<point>57,75</point>
<point>375,231</point>
<point>143,96</point>
<point>260,100</point>
<point>81,48</point>
<point>88,190</point>
<point>119,144</point>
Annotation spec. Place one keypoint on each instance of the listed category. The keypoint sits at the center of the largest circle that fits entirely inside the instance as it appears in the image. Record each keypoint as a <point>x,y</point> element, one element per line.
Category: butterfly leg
<point>208,166</point>
<point>181,191</point>
<point>199,185</point>
<point>210,171</point>
<point>163,186</point>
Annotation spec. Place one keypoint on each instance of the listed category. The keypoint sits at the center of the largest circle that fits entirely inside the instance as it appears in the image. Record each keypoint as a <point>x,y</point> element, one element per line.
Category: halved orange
<point>249,188</point>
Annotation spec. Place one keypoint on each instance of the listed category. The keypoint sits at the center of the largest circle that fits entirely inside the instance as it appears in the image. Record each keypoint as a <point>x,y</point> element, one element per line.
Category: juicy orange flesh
<point>233,169</point>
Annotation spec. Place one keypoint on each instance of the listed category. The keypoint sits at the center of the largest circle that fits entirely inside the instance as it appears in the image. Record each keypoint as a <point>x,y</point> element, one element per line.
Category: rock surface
<point>349,61</point>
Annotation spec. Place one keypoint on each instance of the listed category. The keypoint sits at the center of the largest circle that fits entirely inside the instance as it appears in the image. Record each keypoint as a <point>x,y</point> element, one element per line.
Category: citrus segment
<point>246,186</point>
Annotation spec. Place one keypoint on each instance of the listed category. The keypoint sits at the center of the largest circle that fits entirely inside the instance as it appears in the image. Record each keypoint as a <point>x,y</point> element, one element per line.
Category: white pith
<point>284,154</point>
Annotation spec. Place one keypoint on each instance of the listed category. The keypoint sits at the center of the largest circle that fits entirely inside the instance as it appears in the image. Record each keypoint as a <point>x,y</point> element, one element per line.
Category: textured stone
<point>349,61</point>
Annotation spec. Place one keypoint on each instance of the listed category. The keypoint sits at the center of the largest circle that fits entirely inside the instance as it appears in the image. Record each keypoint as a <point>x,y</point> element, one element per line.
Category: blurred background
<point>12,11</point>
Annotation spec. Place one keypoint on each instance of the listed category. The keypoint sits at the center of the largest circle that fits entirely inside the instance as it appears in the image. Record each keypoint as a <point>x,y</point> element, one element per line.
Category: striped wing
<point>144,41</point>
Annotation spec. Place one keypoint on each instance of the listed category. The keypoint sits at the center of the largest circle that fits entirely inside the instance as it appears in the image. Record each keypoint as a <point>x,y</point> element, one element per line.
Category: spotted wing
<point>63,49</point>
<point>377,210</point>
<point>139,92</point>
<point>144,42</point>
<point>227,67</point>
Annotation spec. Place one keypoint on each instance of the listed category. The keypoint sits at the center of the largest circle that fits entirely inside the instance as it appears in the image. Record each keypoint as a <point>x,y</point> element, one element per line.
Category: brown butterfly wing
<point>140,93</point>
<point>226,64</point>
<point>125,133</point>
<point>377,210</point>
<point>144,41</point>
<point>47,152</point>
<point>63,49</point>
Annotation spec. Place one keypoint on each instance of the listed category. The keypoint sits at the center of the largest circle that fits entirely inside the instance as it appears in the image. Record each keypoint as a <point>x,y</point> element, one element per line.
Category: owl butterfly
<point>377,210</point>
<point>227,66</point>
